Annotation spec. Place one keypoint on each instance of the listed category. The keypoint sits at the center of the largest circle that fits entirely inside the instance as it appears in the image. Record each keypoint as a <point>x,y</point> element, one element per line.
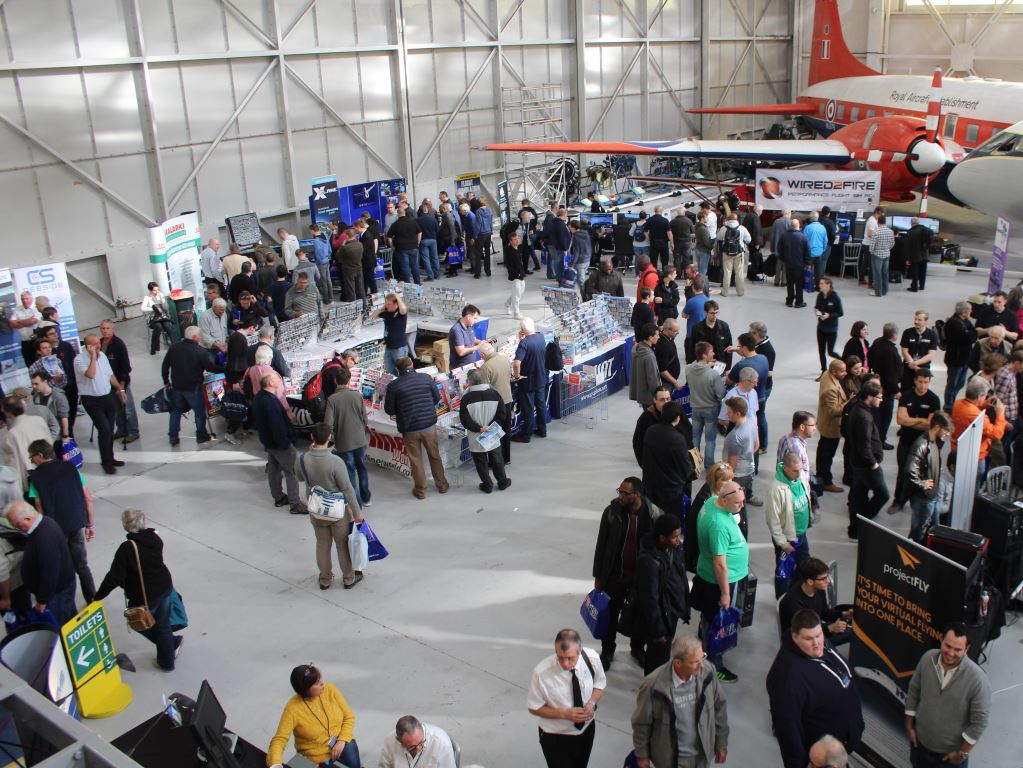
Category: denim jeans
<point>957,375</point>
<point>62,605</point>
<point>429,258</point>
<point>390,358</point>
<point>350,757</point>
<point>555,263</point>
<point>532,411</point>
<point>703,261</point>
<point>705,420</point>
<point>879,269</point>
<point>355,460</point>
<point>405,266</point>
<point>76,546</point>
<point>921,758</point>
<point>160,633</point>
<point>179,398</point>
<point>925,513</point>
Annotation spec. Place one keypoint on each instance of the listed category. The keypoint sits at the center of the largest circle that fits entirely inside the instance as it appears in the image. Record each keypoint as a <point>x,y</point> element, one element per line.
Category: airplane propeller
<point>932,122</point>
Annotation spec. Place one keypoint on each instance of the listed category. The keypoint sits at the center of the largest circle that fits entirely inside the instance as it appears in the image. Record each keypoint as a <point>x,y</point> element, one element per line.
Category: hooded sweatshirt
<point>809,698</point>
<point>787,509</point>
<point>706,387</point>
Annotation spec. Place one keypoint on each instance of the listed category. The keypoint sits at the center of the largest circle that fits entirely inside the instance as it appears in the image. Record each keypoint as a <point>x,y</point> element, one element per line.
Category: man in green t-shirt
<point>723,563</point>
<point>788,516</point>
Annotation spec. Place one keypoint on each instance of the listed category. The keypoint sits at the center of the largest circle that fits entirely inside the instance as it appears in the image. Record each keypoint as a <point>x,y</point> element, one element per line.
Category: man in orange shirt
<point>976,399</point>
<point>648,277</point>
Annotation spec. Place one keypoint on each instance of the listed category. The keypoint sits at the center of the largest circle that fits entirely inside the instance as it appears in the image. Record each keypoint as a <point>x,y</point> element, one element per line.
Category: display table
<point>596,375</point>
<point>387,448</point>
<point>439,326</point>
<point>169,746</point>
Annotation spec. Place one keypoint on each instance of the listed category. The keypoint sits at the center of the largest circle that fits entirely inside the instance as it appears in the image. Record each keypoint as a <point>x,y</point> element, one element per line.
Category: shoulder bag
<point>323,504</point>
<point>139,618</point>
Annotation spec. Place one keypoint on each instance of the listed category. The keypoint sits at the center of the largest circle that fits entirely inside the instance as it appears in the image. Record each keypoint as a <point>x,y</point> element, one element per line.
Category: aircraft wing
<point>758,109</point>
<point>778,150</point>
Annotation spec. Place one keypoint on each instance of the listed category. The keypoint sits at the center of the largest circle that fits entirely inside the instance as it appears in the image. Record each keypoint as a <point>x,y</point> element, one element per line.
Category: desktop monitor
<point>628,216</point>
<point>931,224</point>
<point>601,219</point>
<point>901,223</point>
<point>208,723</point>
<point>844,227</point>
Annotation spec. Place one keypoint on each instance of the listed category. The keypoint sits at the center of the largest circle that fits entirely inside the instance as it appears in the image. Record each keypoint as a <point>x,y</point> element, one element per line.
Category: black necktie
<point>577,697</point>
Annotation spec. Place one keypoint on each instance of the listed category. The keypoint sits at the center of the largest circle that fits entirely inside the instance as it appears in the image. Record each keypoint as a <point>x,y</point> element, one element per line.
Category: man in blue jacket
<point>471,229</point>
<point>559,241</point>
<point>485,246</point>
<point>794,253</point>
<point>321,255</point>
<point>817,238</point>
<point>412,400</point>
<point>46,568</point>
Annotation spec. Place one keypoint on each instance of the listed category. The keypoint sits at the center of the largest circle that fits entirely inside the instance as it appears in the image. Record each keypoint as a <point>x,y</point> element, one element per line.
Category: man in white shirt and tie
<point>96,387</point>
<point>563,694</point>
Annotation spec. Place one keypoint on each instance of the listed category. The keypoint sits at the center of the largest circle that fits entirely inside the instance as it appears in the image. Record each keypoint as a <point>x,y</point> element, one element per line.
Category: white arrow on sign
<point>83,656</point>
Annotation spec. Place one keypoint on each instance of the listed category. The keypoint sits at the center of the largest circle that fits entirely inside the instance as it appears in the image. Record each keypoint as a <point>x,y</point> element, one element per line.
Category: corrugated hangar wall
<point>117,113</point>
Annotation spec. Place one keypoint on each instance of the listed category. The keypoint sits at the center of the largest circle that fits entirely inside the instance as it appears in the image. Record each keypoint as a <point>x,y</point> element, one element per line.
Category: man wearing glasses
<point>626,520</point>
<point>417,744</point>
<point>680,717</point>
<point>563,694</point>
<point>723,565</point>
<point>810,591</point>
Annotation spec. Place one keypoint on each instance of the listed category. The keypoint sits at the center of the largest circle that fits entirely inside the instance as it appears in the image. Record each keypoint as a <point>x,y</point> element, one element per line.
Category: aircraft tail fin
<point>830,57</point>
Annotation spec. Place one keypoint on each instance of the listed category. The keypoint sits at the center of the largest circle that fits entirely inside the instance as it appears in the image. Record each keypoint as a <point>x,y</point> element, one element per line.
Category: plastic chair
<point>998,482</point>
<point>850,258</point>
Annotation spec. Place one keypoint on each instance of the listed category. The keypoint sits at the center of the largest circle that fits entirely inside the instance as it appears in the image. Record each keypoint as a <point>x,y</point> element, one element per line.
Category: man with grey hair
<point>994,340</point>
<point>273,424</point>
<point>666,351</point>
<point>419,744</point>
<point>46,567</point>
<point>266,339</point>
<point>668,727</point>
<point>483,414</point>
<point>960,336</point>
<point>497,372</point>
<point>658,230</point>
<point>531,374</point>
<point>213,325</point>
<point>787,512</point>
<point>183,370</point>
<point>977,399</point>
<point>828,752</point>
<point>212,265</point>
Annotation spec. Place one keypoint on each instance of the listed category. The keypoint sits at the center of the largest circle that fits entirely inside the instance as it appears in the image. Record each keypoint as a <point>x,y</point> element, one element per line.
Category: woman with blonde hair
<point>717,475</point>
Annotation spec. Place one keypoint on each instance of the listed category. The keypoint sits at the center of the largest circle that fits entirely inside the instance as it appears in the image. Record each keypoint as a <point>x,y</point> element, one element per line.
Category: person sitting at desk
<point>419,744</point>
<point>320,720</point>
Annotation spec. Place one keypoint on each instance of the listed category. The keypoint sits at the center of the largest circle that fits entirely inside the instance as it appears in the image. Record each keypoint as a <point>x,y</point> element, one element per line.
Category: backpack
<point>312,391</point>
<point>553,360</point>
<point>639,234</point>
<point>733,242</point>
<point>939,328</point>
<point>509,229</point>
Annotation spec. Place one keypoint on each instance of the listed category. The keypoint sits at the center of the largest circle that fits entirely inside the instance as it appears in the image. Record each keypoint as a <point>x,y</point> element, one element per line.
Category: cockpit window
<point>1000,144</point>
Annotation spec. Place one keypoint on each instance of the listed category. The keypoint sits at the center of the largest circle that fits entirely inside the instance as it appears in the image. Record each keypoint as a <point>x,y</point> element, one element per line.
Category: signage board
<point>244,229</point>
<point>799,190</point>
<point>325,202</point>
<point>905,595</point>
<point>51,281</point>
<point>996,275</point>
<point>174,249</point>
<point>467,182</point>
<point>13,371</point>
<point>503,202</point>
<point>93,663</point>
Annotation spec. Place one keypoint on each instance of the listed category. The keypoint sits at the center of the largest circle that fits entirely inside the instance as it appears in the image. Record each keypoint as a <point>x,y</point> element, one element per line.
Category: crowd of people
<point>662,552</point>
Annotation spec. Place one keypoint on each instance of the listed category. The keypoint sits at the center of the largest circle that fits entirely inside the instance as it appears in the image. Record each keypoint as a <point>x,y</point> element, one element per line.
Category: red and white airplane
<point>873,121</point>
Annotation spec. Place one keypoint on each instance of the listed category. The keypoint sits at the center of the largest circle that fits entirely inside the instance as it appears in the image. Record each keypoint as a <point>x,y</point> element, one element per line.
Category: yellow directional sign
<point>93,663</point>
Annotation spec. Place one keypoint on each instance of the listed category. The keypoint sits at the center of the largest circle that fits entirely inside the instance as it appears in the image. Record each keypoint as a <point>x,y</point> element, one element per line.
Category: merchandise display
<point>560,300</point>
<point>620,309</point>
<point>447,302</point>
<point>342,321</point>
<point>584,329</point>
<point>293,335</point>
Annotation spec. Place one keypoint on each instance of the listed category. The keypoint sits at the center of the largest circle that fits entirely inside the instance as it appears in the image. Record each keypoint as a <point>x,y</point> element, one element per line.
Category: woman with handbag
<point>320,720</point>
<point>159,319</point>
<point>139,570</point>
<point>333,506</point>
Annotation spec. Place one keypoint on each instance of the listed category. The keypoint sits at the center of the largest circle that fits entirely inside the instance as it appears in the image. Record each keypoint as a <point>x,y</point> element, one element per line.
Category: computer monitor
<point>931,224</point>
<point>628,216</point>
<point>901,223</point>
<point>208,723</point>
<point>601,219</point>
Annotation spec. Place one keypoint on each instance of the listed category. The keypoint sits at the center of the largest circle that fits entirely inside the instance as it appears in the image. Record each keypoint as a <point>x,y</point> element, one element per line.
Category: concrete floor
<point>451,624</point>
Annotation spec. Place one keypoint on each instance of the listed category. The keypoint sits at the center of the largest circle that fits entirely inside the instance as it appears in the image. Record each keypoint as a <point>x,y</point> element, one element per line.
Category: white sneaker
<point>232,439</point>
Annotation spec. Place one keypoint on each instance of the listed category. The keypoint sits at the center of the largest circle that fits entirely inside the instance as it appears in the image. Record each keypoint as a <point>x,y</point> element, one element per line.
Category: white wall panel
<point>114,112</point>
<point>265,183</point>
<point>21,217</point>
<point>130,175</point>
<point>71,207</point>
<point>39,32</point>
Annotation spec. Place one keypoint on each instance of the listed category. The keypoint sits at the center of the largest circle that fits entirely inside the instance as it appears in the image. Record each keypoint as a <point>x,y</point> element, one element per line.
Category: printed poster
<point>51,281</point>
<point>799,190</point>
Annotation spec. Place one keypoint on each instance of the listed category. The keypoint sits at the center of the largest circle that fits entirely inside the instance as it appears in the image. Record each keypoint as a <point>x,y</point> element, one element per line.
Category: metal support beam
<point>579,17</point>
<point>644,75</point>
<point>617,92</point>
<point>511,15</point>
<point>751,30</point>
<point>403,106</point>
<point>90,288</point>
<point>704,63</point>
<point>478,20</point>
<point>144,93</point>
<point>340,120</point>
<point>222,132</point>
<point>283,107</point>
<point>454,112</point>
<point>671,90</point>
<point>627,13</point>
<point>298,19</point>
<point>796,52</point>
<point>248,23</point>
<point>84,175</point>
<point>991,21</point>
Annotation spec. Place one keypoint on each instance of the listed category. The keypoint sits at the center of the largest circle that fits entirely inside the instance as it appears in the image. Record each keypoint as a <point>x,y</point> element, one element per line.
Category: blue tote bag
<point>723,634</point>
<point>596,612</point>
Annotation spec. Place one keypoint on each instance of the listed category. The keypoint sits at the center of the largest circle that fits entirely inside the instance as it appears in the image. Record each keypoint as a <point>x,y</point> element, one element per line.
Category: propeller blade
<point>934,107</point>
<point>882,155</point>
<point>923,197</point>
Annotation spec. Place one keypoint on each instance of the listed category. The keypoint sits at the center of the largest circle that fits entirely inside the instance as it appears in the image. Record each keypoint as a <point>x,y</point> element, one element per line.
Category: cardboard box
<point>440,353</point>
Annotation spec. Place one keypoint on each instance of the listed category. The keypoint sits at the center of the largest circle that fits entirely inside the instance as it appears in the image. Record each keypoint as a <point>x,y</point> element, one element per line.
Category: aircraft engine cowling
<point>896,146</point>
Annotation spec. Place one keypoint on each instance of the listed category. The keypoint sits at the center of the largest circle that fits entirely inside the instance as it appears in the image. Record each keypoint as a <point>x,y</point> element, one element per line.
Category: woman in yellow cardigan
<point>321,721</point>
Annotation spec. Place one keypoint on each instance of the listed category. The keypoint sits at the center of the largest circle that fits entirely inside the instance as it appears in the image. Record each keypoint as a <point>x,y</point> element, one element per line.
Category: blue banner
<point>325,202</point>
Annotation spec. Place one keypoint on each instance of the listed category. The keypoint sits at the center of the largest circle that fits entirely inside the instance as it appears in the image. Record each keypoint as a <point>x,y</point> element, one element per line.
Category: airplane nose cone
<point>930,158</point>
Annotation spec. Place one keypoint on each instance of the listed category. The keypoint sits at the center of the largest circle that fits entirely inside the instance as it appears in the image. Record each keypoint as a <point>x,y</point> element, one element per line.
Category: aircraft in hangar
<point>990,178</point>
<point>872,121</point>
